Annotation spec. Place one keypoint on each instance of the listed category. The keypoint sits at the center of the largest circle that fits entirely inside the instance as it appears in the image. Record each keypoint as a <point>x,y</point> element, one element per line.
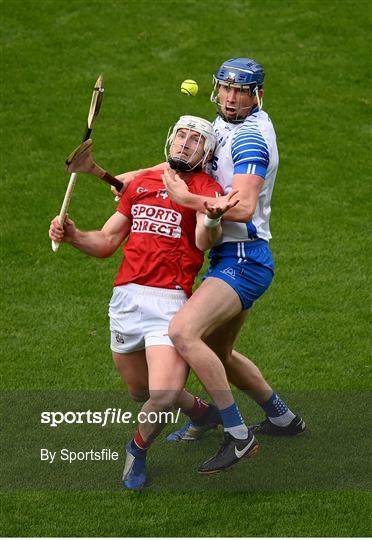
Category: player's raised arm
<point>241,211</point>
<point>208,227</point>
<point>249,187</point>
<point>99,244</point>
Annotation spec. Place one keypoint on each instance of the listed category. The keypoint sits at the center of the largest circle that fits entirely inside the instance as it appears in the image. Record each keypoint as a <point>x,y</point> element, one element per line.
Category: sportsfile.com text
<point>108,416</point>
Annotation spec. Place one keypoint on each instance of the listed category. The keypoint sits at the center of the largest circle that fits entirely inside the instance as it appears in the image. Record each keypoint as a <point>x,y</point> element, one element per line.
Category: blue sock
<point>274,406</point>
<point>233,422</point>
<point>277,410</point>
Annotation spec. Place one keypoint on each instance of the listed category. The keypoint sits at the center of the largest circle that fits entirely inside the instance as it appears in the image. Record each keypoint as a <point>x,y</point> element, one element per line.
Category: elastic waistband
<point>238,249</point>
<point>144,290</point>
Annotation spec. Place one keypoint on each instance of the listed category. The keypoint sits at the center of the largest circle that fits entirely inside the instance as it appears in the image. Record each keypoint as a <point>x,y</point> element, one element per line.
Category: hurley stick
<point>95,105</point>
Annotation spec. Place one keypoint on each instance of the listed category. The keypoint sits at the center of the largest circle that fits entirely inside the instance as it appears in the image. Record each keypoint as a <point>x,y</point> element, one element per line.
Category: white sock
<point>283,420</point>
<point>238,432</point>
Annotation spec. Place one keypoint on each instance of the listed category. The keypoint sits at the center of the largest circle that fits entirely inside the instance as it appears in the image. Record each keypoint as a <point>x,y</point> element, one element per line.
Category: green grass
<point>133,514</point>
<point>309,332</point>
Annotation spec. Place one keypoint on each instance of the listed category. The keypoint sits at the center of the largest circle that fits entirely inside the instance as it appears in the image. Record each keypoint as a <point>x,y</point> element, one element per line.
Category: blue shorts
<point>248,267</point>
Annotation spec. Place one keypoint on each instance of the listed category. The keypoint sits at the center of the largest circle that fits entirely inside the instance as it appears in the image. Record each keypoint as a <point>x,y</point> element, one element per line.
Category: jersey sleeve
<point>250,152</point>
<point>125,203</point>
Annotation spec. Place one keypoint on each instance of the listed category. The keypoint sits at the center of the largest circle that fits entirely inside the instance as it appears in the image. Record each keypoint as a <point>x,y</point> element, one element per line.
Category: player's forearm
<point>93,243</point>
<point>196,202</point>
<point>134,174</point>
<point>242,212</point>
<point>206,237</point>
<point>207,232</point>
<point>161,166</point>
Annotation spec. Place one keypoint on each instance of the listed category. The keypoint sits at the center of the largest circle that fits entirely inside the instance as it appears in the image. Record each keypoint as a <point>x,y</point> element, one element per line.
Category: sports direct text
<point>156,220</point>
<point>109,416</point>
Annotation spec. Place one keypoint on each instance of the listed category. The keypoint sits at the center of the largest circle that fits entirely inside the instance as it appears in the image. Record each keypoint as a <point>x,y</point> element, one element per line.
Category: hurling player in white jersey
<point>241,264</point>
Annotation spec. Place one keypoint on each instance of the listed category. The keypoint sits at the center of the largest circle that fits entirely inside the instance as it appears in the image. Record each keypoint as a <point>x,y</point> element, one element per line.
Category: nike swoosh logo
<point>240,453</point>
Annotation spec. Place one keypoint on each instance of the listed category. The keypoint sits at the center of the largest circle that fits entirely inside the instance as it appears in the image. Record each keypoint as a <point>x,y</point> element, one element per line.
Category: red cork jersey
<point>160,250</point>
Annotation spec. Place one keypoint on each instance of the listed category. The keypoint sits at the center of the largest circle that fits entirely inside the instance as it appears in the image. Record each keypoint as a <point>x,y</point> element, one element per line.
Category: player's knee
<point>180,336</point>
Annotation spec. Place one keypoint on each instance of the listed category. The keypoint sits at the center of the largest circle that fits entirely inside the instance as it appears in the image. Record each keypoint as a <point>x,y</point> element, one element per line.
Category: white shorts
<point>140,316</point>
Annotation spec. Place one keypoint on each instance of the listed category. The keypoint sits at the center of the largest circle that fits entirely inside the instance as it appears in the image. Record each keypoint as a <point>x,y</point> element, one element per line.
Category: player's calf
<point>138,395</point>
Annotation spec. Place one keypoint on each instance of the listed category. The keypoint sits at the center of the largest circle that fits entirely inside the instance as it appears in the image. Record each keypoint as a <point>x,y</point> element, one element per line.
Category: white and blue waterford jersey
<point>247,148</point>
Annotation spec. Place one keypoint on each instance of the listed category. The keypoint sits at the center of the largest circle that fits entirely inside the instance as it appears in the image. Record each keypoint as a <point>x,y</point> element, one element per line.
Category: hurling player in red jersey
<point>162,257</point>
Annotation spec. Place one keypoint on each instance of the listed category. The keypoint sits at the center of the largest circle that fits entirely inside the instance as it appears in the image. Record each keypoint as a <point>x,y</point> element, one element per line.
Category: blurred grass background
<point>310,331</point>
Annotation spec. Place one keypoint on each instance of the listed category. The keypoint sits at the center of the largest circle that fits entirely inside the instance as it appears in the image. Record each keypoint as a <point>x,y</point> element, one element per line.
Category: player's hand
<point>177,189</point>
<point>59,233</point>
<point>222,205</point>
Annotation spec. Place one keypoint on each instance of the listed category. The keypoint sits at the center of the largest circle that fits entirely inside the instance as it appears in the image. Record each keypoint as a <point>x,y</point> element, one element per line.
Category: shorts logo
<point>229,272</point>
<point>119,337</point>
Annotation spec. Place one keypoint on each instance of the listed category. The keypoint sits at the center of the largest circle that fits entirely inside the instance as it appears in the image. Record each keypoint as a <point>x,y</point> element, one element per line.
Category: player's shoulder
<point>149,174</point>
<point>256,120</point>
<point>143,179</point>
<point>264,121</point>
<point>255,127</point>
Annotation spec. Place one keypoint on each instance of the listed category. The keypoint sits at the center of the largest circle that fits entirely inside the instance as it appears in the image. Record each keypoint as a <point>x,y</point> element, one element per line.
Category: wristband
<point>210,223</point>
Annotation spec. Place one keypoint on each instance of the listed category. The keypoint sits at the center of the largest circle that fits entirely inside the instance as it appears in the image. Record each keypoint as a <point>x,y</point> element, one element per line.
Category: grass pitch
<point>309,332</point>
